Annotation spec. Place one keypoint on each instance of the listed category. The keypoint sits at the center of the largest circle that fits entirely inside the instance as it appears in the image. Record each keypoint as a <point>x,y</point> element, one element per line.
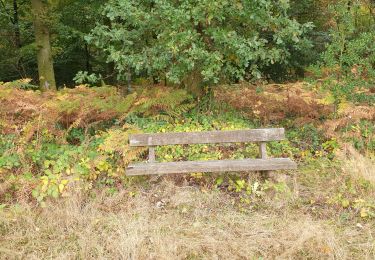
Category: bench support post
<point>263,150</point>
<point>151,154</point>
<point>263,155</point>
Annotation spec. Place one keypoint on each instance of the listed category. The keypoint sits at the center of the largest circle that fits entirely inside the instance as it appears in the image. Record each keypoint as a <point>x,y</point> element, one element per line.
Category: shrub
<point>195,42</point>
<point>347,65</point>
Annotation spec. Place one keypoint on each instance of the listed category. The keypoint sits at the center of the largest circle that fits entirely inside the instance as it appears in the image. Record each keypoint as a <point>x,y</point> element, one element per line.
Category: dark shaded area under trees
<point>190,44</point>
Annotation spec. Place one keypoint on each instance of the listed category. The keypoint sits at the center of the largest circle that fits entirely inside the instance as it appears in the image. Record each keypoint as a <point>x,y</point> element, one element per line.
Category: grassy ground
<point>167,220</point>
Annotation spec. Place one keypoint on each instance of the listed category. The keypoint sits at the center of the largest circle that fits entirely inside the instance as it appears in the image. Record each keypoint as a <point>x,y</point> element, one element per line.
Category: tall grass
<point>172,222</point>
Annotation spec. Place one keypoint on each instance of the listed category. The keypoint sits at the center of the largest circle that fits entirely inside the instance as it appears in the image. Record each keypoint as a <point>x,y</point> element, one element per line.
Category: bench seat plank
<point>211,166</point>
<point>234,136</point>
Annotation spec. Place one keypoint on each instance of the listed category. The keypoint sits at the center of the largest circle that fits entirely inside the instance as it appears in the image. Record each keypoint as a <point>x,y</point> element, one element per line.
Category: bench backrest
<point>235,136</point>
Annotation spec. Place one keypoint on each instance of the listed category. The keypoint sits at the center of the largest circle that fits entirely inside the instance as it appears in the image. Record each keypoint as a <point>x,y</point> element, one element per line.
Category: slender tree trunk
<point>17,38</point>
<point>111,72</point>
<point>87,56</point>
<point>17,34</point>
<point>42,40</point>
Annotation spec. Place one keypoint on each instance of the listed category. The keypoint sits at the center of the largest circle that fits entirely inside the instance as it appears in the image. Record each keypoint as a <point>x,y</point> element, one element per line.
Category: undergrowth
<point>68,151</point>
<point>52,142</point>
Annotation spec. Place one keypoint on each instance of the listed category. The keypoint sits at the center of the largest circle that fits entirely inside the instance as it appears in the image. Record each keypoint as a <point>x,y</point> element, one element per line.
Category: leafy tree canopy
<point>208,41</point>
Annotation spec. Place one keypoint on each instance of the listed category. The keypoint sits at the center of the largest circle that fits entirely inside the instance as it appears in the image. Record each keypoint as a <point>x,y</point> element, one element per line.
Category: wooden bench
<point>260,136</point>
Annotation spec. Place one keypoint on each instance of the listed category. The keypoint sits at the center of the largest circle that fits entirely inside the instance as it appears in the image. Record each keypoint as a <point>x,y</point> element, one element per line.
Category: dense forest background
<point>195,43</point>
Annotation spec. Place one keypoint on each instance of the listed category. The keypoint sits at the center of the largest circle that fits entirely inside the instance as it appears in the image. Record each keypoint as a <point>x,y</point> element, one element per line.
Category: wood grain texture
<point>235,136</point>
<point>211,166</point>
<point>263,150</point>
<point>151,154</point>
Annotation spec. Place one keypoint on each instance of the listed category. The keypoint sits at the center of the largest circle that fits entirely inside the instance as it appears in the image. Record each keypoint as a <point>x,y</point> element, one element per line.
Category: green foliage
<point>61,141</point>
<point>250,192</point>
<point>17,51</point>
<point>101,161</point>
<point>22,84</point>
<point>362,135</point>
<point>81,138</point>
<point>79,135</point>
<point>72,53</point>
<point>197,41</point>
<point>68,22</point>
<point>163,103</point>
<point>8,158</point>
<point>349,197</point>
<point>350,57</point>
<point>310,136</point>
<point>355,60</point>
<point>83,77</point>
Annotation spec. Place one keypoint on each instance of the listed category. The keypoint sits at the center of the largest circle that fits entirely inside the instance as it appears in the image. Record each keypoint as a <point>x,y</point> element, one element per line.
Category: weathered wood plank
<point>235,136</point>
<point>211,166</point>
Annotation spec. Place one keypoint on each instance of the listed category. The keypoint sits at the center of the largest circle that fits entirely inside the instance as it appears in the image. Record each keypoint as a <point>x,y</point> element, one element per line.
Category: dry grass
<point>357,165</point>
<point>171,222</point>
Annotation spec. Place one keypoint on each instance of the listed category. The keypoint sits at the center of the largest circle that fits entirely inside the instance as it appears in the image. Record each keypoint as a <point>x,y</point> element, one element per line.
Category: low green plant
<point>83,77</point>
<point>347,64</point>
<point>361,135</point>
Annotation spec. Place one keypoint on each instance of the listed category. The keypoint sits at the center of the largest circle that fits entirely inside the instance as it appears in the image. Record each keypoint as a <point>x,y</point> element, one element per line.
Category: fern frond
<point>163,103</point>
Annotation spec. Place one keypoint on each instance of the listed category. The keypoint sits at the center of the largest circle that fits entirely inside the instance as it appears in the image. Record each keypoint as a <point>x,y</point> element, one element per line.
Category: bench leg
<point>263,155</point>
<point>263,150</point>
<point>151,154</point>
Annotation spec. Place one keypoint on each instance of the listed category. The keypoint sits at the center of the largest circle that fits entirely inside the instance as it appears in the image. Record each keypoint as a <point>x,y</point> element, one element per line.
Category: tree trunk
<point>87,56</point>
<point>193,83</point>
<point>42,40</point>
<point>16,24</point>
<point>17,39</point>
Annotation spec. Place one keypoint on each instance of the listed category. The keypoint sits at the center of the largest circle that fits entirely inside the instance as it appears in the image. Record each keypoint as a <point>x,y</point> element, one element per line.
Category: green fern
<point>165,104</point>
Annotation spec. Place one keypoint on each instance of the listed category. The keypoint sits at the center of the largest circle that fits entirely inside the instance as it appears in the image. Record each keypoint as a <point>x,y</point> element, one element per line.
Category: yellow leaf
<point>345,203</point>
<point>364,213</point>
<point>61,188</point>
<point>45,182</point>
